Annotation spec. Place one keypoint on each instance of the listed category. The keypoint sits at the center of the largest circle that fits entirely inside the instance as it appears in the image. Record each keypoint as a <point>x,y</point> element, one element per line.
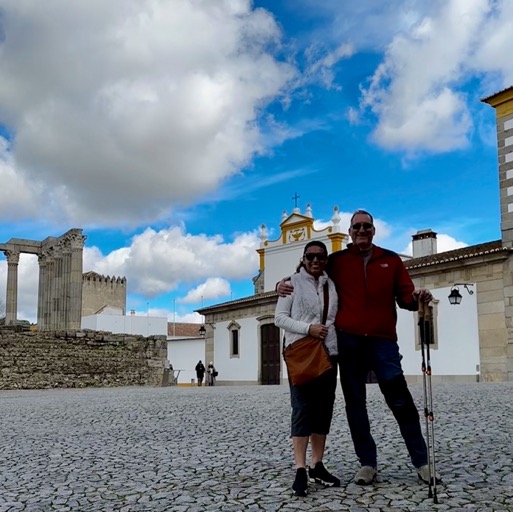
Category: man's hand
<point>284,288</point>
<point>318,330</point>
<point>422,295</point>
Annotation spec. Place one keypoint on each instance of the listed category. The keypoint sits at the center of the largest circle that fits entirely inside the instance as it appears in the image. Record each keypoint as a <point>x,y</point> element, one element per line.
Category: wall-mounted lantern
<point>202,331</point>
<point>455,295</point>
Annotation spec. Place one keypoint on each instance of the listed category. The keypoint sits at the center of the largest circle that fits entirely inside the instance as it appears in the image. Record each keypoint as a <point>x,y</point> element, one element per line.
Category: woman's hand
<point>318,331</point>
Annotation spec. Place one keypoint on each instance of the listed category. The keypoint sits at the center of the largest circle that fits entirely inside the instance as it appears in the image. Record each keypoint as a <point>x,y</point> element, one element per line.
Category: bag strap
<point>324,312</point>
<point>326,303</point>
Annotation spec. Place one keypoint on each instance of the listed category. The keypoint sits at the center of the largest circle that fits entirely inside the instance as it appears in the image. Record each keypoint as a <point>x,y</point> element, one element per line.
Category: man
<point>370,281</point>
<point>200,372</point>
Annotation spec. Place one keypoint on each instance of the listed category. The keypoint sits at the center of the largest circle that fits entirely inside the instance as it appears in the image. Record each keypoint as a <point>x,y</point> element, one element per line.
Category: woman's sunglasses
<point>310,256</point>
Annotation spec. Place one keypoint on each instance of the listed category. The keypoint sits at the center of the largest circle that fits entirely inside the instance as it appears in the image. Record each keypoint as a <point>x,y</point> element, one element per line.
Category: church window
<point>234,339</point>
<point>235,343</point>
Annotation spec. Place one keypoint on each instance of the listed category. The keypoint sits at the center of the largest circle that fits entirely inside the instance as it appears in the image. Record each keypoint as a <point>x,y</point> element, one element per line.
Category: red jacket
<point>367,299</point>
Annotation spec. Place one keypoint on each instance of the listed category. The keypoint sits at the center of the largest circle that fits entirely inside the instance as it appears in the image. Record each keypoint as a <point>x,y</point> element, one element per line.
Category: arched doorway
<point>270,354</point>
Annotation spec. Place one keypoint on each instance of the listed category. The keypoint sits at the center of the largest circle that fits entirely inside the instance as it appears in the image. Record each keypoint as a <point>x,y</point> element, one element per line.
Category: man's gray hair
<point>362,212</point>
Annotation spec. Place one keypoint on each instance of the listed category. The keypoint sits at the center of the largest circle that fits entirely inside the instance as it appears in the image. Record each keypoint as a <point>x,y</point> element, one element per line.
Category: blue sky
<point>170,131</point>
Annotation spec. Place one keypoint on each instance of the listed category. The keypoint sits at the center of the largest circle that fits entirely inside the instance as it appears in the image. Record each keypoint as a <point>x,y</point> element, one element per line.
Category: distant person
<point>168,377</point>
<point>171,373</point>
<point>211,374</point>
<point>200,372</point>
<point>301,314</point>
<point>370,282</point>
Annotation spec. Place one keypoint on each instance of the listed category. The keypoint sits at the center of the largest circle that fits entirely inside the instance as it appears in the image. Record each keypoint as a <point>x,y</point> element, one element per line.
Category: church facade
<point>240,335</point>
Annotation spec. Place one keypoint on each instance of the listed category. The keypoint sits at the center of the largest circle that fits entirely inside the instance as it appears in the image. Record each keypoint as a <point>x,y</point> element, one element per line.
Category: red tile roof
<point>182,329</point>
<point>471,251</point>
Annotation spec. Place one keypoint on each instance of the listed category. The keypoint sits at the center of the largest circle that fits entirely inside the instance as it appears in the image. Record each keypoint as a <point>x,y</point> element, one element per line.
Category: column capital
<point>12,256</point>
<point>76,241</point>
<point>48,255</point>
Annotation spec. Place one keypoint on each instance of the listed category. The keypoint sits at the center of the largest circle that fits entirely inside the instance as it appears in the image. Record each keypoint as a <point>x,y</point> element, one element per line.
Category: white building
<point>113,320</point>
<point>185,347</point>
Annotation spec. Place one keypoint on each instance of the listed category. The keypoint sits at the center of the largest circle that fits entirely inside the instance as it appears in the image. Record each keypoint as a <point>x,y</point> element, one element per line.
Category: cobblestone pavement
<point>227,449</point>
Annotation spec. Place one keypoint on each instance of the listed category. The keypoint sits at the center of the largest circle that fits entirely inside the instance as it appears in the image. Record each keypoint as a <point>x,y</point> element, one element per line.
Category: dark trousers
<point>357,356</point>
<point>312,404</point>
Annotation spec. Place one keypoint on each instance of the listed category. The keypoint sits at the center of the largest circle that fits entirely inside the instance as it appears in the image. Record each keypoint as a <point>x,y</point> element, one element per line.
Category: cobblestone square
<point>228,449</point>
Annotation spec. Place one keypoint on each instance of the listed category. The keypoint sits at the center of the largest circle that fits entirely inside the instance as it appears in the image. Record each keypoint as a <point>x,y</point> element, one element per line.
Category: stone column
<point>66,281</point>
<point>58,299</point>
<point>48,291</point>
<point>11,302</point>
<point>75,311</point>
<point>40,292</point>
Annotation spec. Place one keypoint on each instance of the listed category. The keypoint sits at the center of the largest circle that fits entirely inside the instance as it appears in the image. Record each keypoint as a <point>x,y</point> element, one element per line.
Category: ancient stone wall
<point>77,359</point>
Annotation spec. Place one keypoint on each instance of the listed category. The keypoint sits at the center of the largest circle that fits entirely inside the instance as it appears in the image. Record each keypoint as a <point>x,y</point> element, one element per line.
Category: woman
<point>211,375</point>
<point>299,315</point>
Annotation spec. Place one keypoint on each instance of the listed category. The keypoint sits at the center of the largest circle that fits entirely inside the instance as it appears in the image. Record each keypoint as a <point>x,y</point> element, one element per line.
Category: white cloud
<point>16,199</point>
<point>159,261</point>
<point>448,243</point>
<point>412,91</point>
<point>122,110</point>
<point>320,63</point>
<point>189,318</point>
<point>212,288</point>
<point>492,54</point>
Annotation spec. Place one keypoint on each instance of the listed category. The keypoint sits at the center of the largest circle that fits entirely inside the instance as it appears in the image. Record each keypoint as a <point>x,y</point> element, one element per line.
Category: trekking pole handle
<point>424,310</point>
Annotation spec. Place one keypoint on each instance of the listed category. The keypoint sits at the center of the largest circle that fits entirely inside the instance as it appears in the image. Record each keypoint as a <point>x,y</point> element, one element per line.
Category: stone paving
<point>227,449</point>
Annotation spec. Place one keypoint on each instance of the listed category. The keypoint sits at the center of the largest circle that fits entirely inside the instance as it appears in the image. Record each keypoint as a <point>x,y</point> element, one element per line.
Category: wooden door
<point>270,354</point>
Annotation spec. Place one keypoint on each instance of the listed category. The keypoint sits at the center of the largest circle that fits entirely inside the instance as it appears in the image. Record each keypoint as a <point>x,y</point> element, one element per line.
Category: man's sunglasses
<point>359,225</point>
<point>310,256</point>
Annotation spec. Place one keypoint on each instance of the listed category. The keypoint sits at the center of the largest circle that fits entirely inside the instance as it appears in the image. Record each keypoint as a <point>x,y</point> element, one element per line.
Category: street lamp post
<point>202,330</point>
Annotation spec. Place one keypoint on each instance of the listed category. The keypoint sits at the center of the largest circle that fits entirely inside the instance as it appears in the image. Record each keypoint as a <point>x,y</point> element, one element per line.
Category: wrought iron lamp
<point>455,295</point>
<point>202,331</point>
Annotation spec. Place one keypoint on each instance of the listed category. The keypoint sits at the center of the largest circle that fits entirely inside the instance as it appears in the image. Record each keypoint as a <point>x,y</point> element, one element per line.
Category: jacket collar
<point>322,278</point>
<point>355,250</point>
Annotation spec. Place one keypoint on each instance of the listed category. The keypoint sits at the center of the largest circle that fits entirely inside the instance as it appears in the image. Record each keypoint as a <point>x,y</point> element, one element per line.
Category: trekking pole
<point>425,340</point>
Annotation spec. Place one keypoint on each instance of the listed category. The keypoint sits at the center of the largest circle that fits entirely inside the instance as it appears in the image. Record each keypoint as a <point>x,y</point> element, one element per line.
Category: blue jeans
<point>357,356</point>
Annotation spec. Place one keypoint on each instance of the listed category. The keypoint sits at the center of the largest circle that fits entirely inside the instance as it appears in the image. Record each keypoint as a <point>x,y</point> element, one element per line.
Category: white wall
<point>281,260</point>
<point>282,263</point>
<point>130,324</point>
<point>458,337</point>
<point>245,367</point>
<point>184,355</point>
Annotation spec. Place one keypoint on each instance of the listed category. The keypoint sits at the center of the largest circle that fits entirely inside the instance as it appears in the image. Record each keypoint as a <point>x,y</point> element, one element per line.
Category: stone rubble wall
<point>79,359</point>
